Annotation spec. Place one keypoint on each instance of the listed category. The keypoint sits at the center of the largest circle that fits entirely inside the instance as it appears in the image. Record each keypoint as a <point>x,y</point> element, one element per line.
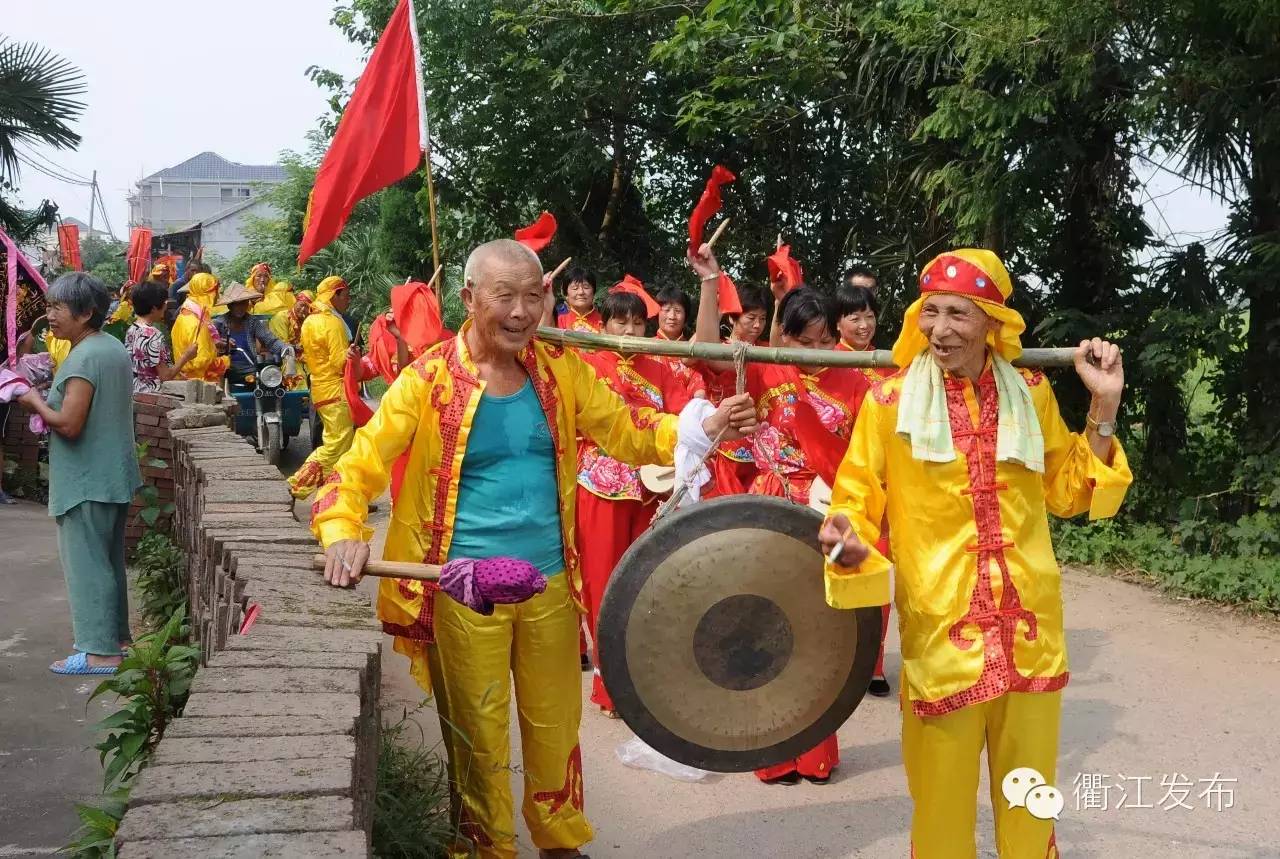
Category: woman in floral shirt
<point>147,345</point>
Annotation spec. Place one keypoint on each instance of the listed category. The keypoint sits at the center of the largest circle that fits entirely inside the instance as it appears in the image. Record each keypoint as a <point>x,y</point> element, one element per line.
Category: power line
<point>51,174</point>
<point>53,165</point>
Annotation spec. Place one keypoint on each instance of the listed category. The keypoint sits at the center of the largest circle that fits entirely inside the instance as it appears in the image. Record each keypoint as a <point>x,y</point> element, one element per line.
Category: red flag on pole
<point>708,204</point>
<point>69,246</point>
<point>380,138</point>
<point>781,265</point>
<point>538,235</point>
<point>631,283</point>
<point>138,256</point>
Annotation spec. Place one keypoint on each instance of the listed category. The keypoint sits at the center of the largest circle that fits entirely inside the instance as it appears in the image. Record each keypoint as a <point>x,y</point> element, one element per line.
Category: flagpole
<point>425,133</point>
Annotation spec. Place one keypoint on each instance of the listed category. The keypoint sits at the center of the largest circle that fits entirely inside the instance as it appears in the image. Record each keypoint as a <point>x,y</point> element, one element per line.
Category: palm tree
<point>38,100</point>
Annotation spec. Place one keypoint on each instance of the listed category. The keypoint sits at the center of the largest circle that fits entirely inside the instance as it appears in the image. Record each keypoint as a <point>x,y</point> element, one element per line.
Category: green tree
<point>39,99</point>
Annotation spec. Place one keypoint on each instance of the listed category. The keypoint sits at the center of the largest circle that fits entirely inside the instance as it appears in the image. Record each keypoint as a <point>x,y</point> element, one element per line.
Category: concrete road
<point>47,760</point>
<point>1168,722</point>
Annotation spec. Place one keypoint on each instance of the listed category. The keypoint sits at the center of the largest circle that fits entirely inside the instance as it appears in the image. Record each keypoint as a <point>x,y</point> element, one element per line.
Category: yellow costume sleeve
<point>859,494</point>
<point>1075,480</point>
<point>207,365</point>
<point>641,436</point>
<point>342,507</point>
<point>279,325</point>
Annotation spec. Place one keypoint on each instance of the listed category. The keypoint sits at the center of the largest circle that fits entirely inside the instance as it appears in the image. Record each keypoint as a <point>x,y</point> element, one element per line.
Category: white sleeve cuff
<point>692,447</point>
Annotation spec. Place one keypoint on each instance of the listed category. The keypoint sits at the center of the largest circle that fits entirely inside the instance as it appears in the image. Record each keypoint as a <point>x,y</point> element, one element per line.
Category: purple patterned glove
<point>479,585</point>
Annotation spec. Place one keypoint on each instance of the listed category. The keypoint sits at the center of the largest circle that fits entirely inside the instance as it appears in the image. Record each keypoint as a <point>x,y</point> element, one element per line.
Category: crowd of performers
<point>497,444</point>
<point>943,469</point>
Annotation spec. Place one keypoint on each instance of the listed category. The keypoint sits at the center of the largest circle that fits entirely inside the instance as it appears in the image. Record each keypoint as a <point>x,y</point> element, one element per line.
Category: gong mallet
<point>388,569</point>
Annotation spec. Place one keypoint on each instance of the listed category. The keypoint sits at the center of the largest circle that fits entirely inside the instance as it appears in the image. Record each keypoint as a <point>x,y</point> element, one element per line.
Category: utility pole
<point>93,198</point>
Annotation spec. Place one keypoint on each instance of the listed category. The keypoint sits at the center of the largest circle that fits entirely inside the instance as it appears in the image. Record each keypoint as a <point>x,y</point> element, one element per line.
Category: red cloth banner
<point>781,265</point>
<point>708,204</point>
<point>416,311</point>
<point>380,138</point>
<point>538,235</point>
<point>631,283</point>
<point>69,246</point>
<point>728,295</point>
<point>138,256</point>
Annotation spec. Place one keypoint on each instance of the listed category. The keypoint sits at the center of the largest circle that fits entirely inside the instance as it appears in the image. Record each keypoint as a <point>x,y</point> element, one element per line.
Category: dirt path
<point>1160,689</point>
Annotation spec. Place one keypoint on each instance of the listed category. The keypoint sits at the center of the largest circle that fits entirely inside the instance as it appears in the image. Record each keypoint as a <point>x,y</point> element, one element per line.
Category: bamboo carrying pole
<point>765,354</point>
<point>389,569</point>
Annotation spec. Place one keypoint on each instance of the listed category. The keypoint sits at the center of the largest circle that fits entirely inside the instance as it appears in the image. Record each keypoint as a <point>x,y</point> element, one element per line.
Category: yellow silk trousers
<point>338,434</point>
<point>472,665</point>
<point>942,755</point>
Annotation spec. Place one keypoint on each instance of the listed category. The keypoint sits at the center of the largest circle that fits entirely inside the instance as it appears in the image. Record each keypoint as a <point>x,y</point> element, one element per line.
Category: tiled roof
<point>212,167</point>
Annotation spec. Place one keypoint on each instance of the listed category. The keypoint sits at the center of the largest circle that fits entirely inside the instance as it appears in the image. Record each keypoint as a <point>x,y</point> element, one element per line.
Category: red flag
<point>631,283</point>
<point>416,311</point>
<point>781,265</point>
<point>728,292</point>
<point>708,204</point>
<point>138,256</point>
<point>352,375</point>
<point>538,235</point>
<point>69,246</point>
<point>380,138</point>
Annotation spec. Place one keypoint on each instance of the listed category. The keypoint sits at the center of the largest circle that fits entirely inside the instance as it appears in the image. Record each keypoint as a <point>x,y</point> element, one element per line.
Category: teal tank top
<point>508,497</point>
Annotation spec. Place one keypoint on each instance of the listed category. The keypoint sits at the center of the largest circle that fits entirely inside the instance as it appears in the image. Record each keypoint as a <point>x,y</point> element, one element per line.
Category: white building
<point>208,193</point>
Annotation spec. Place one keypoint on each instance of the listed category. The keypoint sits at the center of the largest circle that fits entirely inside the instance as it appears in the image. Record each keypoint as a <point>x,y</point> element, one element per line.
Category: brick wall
<point>20,444</point>
<point>276,752</point>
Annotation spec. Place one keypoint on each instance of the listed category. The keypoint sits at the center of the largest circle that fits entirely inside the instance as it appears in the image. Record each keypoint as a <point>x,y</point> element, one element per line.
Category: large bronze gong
<point>717,645</point>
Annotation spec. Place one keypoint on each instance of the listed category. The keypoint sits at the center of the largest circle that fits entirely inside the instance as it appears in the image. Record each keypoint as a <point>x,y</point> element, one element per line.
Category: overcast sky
<point>168,80</point>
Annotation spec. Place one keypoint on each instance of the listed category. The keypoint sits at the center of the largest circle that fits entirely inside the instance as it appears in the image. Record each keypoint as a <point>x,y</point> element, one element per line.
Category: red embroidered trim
<point>886,393</point>
<point>573,786</point>
<point>953,274</point>
<point>327,500</point>
<point>307,479</point>
<point>998,625</point>
<point>451,412</point>
<point>470,828</point>
<point>423,627</point>
<point>1032,377</point>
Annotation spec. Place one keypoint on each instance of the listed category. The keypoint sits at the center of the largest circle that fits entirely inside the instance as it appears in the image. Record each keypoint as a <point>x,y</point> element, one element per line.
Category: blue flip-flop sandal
<point>78,663</point>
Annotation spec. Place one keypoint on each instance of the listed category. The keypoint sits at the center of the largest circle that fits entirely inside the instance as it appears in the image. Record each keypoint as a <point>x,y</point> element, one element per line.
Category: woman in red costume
<point>806,417</point>
<point>732,468</point>
<point>613,507</point>
<point>858,311</point>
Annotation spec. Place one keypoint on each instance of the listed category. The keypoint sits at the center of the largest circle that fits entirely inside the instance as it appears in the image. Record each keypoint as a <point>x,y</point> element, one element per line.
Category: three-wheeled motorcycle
<point>274,404</point>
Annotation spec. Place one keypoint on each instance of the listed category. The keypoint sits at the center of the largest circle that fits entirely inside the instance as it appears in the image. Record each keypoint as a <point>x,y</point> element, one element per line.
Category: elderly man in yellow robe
<point>326,338</point>
<point>490,419</point>
<point>965,456</point>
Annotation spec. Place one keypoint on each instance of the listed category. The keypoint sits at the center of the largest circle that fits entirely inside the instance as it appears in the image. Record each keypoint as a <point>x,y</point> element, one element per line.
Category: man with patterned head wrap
<point>326,338</point>
<point>965,456</point>
<point>195,325</point>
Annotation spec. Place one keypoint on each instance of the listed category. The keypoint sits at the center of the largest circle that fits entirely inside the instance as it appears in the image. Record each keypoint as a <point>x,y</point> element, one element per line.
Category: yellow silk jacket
<point>324,348</point>
<point>192,326</point>
<point>978,590</point>
<point>428,411</point>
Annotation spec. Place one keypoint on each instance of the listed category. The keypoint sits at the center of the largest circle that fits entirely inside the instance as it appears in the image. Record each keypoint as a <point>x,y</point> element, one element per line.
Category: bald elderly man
<point>490,421</point>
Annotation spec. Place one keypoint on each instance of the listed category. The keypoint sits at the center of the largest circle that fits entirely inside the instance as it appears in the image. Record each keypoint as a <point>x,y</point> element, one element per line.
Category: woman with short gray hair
<point>93,470</point>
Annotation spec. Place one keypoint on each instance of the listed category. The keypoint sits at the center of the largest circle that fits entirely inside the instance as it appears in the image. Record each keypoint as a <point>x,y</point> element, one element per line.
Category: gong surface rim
<point>645,558</point>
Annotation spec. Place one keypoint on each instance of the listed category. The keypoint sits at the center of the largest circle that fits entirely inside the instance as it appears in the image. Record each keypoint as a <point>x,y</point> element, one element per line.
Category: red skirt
<point>606,529</point>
